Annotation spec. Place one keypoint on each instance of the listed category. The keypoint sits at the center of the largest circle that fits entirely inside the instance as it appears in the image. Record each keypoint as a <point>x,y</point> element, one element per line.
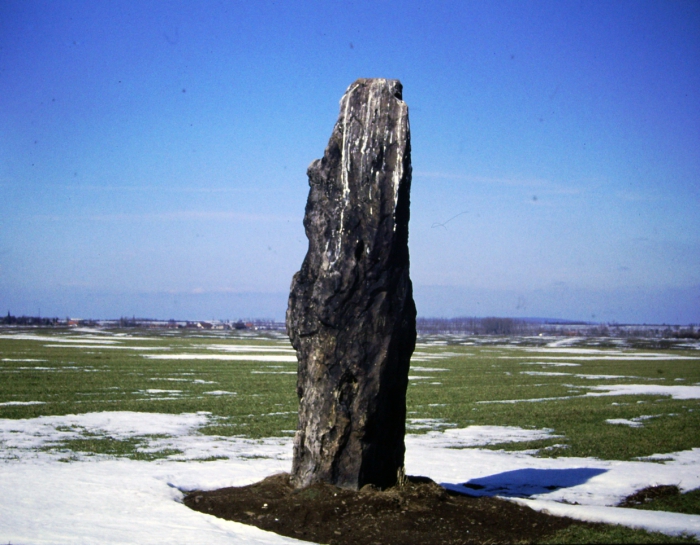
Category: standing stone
<point>351,315</point>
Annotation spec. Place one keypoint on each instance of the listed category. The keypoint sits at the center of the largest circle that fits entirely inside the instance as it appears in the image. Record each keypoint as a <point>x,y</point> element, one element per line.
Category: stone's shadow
<point>523,483</point>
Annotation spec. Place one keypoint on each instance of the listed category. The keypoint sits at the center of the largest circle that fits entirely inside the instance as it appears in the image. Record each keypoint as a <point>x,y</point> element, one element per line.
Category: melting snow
<point>119,501</point>
<point>109,347</point>
<point>480,435</point>
<point>248,348</point>
<point>551,363</point>
<point>225,357</point>
<point>545,373</point>
<point>426,423</point>
<point>527,400</point>
<point>677,392</point>
<point>602,355</point>
<point>556,374</point>
<point>565,342</point>
<point>58,339</point>
<point>20,359</point>
<point>633,423</point>
<point>652,521</point>
<point>157,391</point>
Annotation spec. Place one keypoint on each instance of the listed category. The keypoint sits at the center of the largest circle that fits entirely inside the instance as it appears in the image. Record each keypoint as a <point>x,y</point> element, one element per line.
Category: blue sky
<point>153,155</point>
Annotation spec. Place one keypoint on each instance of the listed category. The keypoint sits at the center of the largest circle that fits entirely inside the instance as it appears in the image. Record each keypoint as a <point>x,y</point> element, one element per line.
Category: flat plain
<point>85,396</point>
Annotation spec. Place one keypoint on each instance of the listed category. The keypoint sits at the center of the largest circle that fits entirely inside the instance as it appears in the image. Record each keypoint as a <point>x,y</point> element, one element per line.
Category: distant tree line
<point>473,326</point>
<point>426,326</point>
<point>520,326</point>
<point>28,320</point>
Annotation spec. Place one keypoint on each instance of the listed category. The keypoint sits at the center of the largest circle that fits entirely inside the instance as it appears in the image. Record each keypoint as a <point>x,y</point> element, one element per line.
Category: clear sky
<point>153,155</point>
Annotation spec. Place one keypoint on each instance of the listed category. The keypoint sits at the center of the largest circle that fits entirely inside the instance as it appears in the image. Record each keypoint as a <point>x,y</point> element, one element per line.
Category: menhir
<point>351,315</point>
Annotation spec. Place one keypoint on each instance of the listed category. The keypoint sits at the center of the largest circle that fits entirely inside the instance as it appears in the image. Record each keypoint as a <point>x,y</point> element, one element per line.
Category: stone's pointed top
<point>393,85</point>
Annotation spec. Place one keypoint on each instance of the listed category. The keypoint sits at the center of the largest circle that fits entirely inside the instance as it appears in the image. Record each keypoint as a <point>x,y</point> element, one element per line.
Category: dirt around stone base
<point>421,512</point>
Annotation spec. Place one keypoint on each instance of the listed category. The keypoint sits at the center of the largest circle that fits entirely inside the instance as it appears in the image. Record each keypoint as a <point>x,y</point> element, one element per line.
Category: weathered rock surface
<point>351,315</point>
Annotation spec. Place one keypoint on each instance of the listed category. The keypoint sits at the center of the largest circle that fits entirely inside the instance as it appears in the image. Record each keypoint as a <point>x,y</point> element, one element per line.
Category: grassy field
<point>613,401</point>
<point>453,383</point>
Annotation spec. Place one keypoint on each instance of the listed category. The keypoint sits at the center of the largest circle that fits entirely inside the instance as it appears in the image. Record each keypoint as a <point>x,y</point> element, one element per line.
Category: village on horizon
<point>461,325</point>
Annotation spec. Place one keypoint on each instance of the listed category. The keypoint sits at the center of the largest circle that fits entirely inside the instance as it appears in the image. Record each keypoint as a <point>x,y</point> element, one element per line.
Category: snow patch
<point>565,342</point>
<point>527,400</point>
<point>551,363</point>
<point>121,501</point>
<point>545,373</point>
<point>478,436</point>
<point>223,357</point>
<point>21,359</point>
<point>602,355</point>
<point>427,424</point>
<point>636,422</point>
<point>248,348</point>
<point>674,524</point>
<point>677,392</point>
<point>57,339</point>
<point>158,391</point>
<point>109,347</point>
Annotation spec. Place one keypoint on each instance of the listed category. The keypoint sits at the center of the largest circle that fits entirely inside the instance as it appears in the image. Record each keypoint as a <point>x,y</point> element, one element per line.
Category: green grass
<point>480,380</point>
<point>486,383</point>
<point>72,379</point>
<point>126,448</point>
<point>80,380</point>
<point>677,502</point>
<point>613,535</point>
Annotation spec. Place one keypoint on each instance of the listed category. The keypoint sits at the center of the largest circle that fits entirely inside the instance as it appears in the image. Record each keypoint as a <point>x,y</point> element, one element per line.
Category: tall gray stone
<point>351,315</point>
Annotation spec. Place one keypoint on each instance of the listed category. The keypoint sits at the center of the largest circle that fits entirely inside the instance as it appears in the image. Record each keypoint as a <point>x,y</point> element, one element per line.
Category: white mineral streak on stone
<point>398,168</point>
<point>325,264</point>
<point>365,137</point>
<point>367,133</point>
<point>344,171</point>
<point>346,156</point>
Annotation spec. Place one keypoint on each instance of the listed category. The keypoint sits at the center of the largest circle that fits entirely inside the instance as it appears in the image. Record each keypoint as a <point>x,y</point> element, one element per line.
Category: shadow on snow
<point>522,483</point>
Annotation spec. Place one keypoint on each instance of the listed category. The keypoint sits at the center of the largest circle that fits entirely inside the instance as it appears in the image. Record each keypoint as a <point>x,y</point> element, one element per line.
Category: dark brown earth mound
<point>420,512</point>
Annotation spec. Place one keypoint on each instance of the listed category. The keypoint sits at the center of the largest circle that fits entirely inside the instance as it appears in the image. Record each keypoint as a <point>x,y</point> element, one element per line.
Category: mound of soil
<point>420,512</point>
